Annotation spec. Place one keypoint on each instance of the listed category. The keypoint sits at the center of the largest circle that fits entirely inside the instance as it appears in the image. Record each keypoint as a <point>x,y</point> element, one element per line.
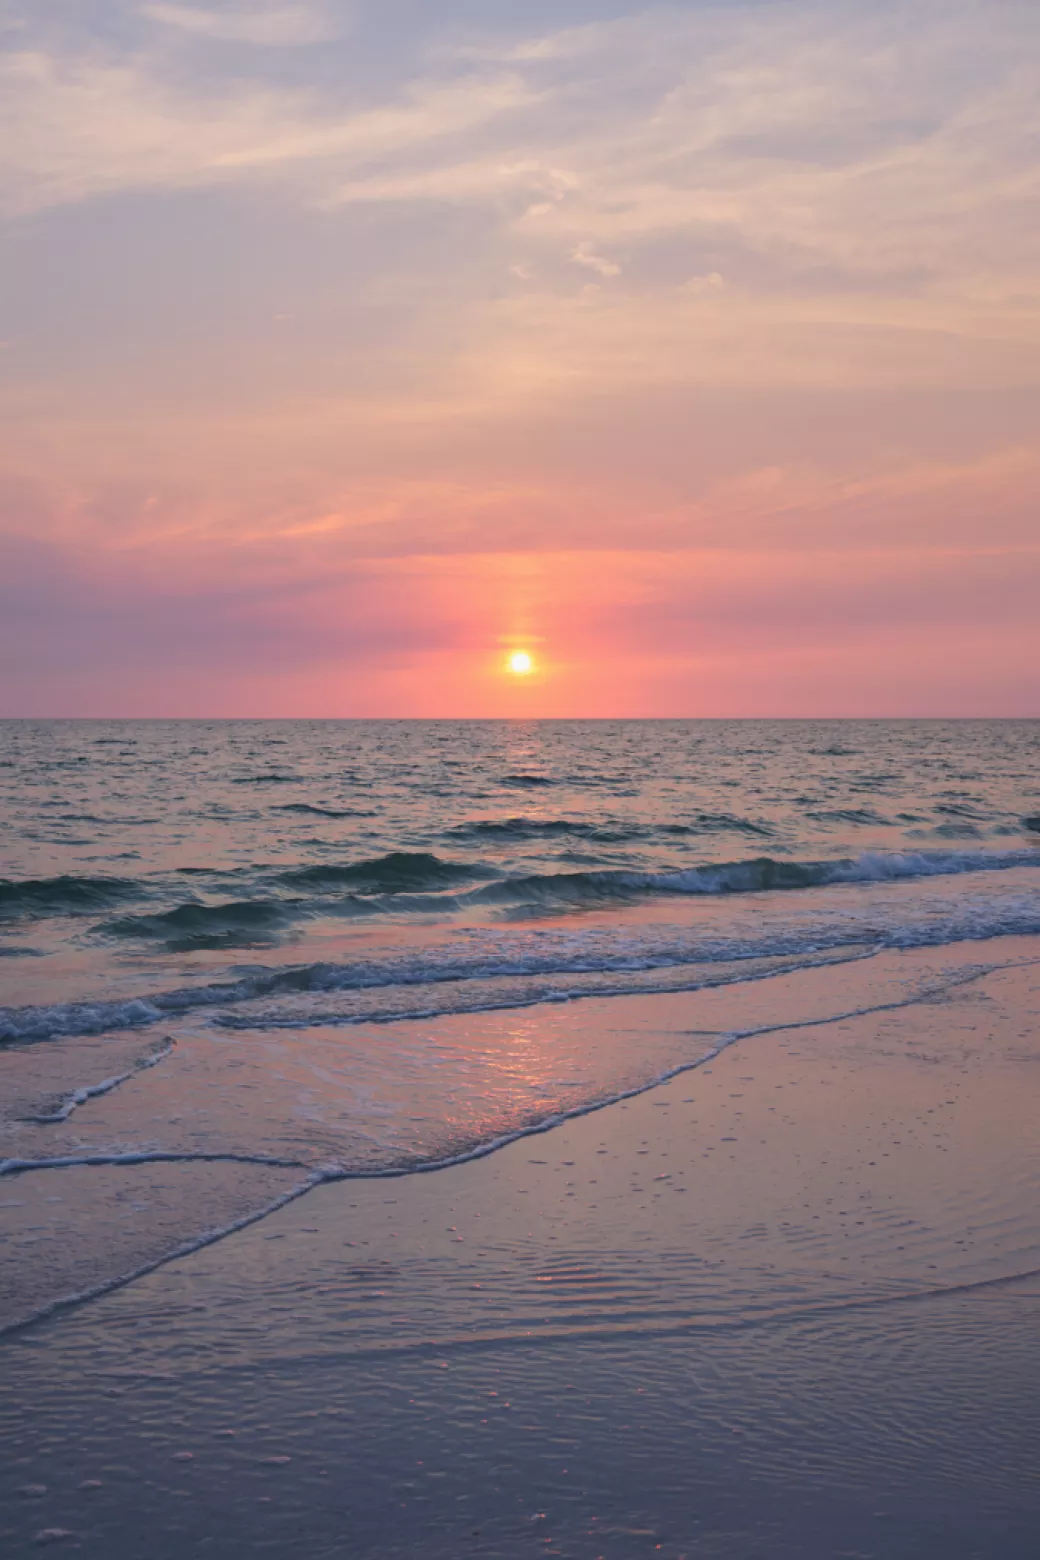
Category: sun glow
<point>520,663</point>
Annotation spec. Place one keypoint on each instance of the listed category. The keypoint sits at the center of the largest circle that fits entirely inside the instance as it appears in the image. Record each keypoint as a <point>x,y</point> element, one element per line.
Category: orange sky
<point>694,349</point>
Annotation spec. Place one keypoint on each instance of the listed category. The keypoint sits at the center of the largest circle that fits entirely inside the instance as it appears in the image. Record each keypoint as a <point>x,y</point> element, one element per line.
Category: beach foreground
<point>786,1304</point>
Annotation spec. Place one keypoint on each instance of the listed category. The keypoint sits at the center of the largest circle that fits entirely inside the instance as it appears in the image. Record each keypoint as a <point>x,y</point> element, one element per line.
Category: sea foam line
<point>93,1091</point>
<point>186,1249</point>
<point>146,1156</point>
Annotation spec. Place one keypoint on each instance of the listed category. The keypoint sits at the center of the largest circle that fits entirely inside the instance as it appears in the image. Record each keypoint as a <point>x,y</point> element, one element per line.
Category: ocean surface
<point>776,1301</point>
<point>262,943</point>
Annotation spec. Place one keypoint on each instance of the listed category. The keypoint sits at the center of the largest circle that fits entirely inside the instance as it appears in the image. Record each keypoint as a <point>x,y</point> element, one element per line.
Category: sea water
<point>254,948</point>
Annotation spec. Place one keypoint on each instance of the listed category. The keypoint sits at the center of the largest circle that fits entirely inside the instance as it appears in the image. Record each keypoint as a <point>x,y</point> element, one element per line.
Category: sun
<point>520,663</point>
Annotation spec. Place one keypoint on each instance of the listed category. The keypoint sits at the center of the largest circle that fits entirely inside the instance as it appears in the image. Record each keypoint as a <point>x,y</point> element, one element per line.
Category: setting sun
<point>520,663</point>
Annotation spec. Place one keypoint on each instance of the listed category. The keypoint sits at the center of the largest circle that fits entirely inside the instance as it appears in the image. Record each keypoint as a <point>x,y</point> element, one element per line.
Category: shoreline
<point>939,972</point>
<point>826,1231</point>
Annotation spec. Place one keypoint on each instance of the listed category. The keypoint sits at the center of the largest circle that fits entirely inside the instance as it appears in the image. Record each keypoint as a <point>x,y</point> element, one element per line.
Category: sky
<point>348,347</point>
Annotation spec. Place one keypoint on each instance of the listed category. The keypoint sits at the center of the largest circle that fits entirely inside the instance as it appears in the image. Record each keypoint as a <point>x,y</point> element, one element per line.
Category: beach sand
<point>786,1304</point>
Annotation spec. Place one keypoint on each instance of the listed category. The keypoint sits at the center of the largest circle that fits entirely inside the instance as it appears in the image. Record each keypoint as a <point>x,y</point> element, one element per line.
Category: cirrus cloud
<point>276,26</point>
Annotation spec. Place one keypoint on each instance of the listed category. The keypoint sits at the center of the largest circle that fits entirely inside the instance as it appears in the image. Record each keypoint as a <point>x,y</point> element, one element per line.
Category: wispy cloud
<point>585,254</point>
<point>77,128</point>
<point>696,280</point>
<point>275,26</point>
<point>842,150</point>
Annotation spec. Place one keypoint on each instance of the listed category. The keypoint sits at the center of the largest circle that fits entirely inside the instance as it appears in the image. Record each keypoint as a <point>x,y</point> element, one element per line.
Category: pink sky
<point>694,349</point>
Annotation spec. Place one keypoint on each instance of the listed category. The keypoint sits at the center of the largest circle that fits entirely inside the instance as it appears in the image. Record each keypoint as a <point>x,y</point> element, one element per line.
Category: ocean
<point>606,1139</point>
<point>299,912</point>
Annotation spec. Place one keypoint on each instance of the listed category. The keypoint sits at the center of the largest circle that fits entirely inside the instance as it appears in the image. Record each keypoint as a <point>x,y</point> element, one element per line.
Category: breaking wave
<point>760,874</point>
<point>409,882</point>
<point>608,954</point>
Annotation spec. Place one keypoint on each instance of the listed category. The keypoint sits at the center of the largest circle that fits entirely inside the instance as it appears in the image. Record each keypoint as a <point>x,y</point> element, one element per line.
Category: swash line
<point>144,1157</point>
<point>186,1249</point>
<point>731,1037</point>
<point>94,1091</point>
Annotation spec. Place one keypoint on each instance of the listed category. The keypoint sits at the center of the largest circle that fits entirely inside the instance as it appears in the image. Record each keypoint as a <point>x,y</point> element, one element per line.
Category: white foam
<point>185,1249</point>
<point>135,1156</point>
<point>94,1091</point>
<point>789,928</point>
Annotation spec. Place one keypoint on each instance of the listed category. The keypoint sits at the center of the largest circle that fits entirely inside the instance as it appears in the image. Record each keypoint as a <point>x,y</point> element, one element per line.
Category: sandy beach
<point>786,1304</point>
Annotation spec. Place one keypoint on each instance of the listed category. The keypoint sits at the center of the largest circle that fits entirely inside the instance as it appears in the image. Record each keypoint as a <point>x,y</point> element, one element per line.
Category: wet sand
<point>786,1304</point>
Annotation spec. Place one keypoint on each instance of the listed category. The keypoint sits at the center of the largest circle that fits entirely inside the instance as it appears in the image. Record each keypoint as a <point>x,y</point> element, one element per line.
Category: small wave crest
<point>400,872</point>
<point>273,778</point>
<point>65,895</point>
<point>545,829</point>
<point>326,812</point>
<point>208,926</point>
<point>865,815</point>
<point>759,874</point>
<point>602,833</point>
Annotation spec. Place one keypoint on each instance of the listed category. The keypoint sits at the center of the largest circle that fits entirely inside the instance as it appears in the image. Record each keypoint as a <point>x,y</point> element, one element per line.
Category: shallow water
<point>784,1306</point>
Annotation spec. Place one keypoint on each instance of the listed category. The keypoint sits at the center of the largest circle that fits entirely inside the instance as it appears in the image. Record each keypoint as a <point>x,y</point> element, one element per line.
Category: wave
<point>764,873</point>
<point>549,828</point>
<point>719,823</point>
<point>400,872</point>
<point>374,887</point>
<point>394,882</point>
<point>847,815</point>
<point>64,895</point>
<point>526,780</point>
<point>522,828</point>
<point>760,874</point>
<point>609,956</point>
<point>269,779</point>
<point>207,926</point>
<point>325,812</point>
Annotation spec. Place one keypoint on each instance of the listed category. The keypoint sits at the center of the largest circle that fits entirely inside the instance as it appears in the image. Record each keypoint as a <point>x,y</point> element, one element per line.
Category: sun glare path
<point>520,663</point>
